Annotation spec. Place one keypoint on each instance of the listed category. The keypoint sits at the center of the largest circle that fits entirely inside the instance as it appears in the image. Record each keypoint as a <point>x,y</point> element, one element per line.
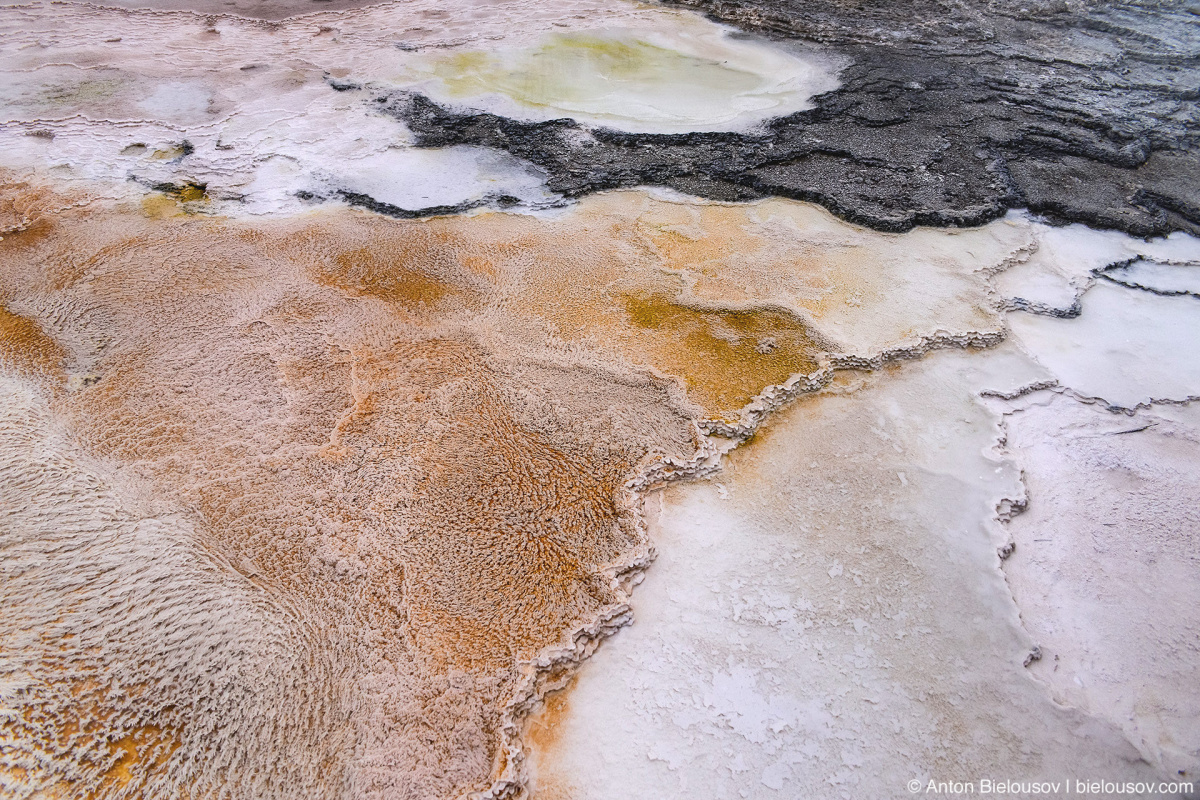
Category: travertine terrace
<point>596,400</point>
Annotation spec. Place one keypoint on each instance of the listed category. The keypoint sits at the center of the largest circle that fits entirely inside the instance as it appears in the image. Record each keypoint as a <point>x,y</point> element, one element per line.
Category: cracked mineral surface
<point>947,114</point>
<point>504,398</point>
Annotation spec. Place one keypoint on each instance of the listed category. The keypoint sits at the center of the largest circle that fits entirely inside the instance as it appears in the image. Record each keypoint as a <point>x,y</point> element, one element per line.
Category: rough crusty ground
<point>277,521</point>
<point>292,507</point>
<point>289,507</point>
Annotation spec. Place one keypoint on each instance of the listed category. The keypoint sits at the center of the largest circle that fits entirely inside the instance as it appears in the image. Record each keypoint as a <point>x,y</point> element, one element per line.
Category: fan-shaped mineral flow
<point>402,445</point>
<point>355,365</point>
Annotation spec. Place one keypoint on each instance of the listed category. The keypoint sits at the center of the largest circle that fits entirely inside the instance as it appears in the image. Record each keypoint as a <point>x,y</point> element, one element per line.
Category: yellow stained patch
<point>176,201</point>
<point>725,357</point>
<point>168,153</point>
<point>147,748</point>
<point>25,345</point>
<point>581,68</point>
<point>82,92</point>
<point>367,271</point>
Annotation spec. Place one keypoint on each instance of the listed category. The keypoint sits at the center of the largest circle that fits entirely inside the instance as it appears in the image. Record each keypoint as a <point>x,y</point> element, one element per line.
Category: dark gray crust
<point>949,114</point>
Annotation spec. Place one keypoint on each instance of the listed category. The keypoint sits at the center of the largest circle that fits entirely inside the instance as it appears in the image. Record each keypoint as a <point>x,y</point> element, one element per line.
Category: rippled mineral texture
<point>505,398</point>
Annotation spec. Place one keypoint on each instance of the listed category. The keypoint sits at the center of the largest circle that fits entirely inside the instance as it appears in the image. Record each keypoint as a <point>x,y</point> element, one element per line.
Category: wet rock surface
<point>948,114</point>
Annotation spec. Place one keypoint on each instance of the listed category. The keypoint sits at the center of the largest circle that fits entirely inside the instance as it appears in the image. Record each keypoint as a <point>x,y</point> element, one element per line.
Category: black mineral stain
<point>389,210</point>
<point>949,115</point>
